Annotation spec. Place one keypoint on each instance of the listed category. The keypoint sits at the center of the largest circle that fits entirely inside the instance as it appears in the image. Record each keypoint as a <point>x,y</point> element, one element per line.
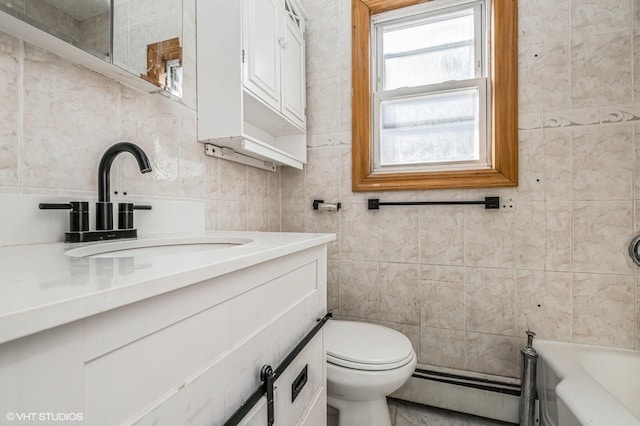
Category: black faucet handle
<point>78,216</point>
<point>54,206</point>
<point>125,214</point>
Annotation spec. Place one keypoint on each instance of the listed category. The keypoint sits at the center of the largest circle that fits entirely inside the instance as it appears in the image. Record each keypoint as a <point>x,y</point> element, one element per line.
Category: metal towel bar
<point>489,203</point>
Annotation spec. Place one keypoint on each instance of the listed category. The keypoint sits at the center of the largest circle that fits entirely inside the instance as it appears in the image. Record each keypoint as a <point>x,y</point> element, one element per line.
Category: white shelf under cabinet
<point>234,113</point>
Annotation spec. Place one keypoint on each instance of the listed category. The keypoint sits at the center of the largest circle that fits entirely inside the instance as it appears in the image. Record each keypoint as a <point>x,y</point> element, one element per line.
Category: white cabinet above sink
<point>251,79</point>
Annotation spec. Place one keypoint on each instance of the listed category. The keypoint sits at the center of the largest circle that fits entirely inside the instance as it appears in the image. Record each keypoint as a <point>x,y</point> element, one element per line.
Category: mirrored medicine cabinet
<point>137,42</point>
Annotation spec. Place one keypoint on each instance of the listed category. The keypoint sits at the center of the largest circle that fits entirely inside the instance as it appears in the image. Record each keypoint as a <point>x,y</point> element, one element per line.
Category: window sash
<point>429,12</point>
<point>421,14</point>
<point>484,161</point>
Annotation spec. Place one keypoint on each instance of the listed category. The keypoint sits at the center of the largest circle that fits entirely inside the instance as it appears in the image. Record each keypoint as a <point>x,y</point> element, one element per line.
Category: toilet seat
<point>364,346</point>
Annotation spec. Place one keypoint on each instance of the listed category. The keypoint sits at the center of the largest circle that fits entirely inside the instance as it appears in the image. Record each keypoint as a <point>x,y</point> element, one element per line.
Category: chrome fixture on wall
<point>528,382</point>
<point>633,250</point>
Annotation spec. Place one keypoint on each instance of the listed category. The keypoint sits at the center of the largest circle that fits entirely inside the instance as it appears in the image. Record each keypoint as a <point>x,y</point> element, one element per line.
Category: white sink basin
<point>156,247</point>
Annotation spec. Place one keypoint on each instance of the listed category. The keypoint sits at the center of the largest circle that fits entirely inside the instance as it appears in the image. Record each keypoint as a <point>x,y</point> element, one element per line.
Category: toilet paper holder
<point>329,207</point>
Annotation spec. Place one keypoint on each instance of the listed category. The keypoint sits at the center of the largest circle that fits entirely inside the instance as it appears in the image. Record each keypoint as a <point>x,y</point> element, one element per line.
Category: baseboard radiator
<point>493,399</point>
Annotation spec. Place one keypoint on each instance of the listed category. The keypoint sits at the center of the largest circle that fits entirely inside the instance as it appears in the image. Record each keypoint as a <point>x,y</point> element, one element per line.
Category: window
<point>430,81</point>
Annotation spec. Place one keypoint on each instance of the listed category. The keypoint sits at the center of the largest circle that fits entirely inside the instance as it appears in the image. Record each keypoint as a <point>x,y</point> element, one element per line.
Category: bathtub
<point>580,385</point>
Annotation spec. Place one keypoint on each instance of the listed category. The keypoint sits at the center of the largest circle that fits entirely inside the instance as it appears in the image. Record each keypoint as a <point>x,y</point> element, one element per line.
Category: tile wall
<point>56,120</point>
<point>463,283</point>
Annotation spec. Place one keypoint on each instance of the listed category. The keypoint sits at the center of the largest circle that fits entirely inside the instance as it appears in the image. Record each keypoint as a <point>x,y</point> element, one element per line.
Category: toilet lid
<point>366,346</point>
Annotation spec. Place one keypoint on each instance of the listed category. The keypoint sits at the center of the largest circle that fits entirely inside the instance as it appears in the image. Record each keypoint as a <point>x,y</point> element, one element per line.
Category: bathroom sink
<point>156,247</point>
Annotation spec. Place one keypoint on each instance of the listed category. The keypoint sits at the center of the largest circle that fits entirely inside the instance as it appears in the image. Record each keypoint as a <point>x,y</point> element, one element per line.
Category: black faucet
<point>104,207</point>
<point>79,215</point>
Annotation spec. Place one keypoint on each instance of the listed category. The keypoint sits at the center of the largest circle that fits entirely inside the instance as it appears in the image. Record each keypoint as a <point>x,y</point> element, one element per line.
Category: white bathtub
<point>580,385</point>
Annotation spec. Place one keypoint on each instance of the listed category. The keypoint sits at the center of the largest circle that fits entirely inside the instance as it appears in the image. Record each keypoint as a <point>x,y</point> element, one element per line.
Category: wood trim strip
<point>504,75</point>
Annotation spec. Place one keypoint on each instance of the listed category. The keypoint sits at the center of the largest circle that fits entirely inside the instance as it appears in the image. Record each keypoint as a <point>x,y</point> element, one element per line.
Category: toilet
<point>365,363</point>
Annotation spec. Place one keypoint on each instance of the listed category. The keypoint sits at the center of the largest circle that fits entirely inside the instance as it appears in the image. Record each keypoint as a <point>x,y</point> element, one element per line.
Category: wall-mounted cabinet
<point>251,78</point>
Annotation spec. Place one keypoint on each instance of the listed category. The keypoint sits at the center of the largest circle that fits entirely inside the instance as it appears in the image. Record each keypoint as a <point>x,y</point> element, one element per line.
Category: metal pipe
<point>528,393</point>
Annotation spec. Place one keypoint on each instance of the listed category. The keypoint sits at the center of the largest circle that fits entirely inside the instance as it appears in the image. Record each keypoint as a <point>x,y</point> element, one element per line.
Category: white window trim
<point>481,82</point>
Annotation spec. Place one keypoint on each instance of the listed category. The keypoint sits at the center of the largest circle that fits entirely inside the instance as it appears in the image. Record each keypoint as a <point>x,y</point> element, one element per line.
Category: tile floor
<point>408,414</point>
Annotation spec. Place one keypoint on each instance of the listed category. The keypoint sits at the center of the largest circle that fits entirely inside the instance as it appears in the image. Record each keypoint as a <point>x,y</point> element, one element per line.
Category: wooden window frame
<point>504,106</point>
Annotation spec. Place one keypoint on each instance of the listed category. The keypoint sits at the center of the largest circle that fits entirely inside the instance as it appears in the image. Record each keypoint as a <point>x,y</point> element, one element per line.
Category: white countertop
<point>41,287</point>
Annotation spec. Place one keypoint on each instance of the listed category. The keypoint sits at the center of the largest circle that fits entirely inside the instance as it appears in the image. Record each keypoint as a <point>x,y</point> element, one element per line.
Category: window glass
<point>431,95</point>
<point>441,127</point>
<point>428,51</point>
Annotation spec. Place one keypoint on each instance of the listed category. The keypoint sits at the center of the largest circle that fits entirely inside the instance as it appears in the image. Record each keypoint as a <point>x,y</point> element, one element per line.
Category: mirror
<point>146,39</point>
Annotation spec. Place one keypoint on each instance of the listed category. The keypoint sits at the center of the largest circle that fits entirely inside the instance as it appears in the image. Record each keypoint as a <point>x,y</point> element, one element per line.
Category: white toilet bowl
<point>365,363</point>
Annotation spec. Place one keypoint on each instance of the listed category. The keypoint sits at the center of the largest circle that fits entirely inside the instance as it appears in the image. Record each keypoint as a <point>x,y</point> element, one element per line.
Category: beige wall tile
<point>542,20</point>
<point>359,289</point>
<point>491,354</point>
<point>293,186</point>
<point>346,194</point>
<point>234,176</point>
<point>198,175</point>
<point>293,217</point>
<point>10,57</point>
<point>593,16</point>
<point>59,105</point>
<point>558,236</point>
<point>637,313</point>
<point>333,286</point>
<point>442,304</point>
<point>257,185</point>
<point>603,310</point>
<point>398,235</point>
<point>543,236</point>
<point>600,234</point>
<point>530,235</point>
<point>489,238</point>
<point>257,217</point>
<point>359,232</point>
<point>398,293</point>
<point>636,170</point>
<point>442,235</point>
<point>274,223</point>
<point>545,73</point>
<point>544,304</point>
<point>322,95</point>
<point>232,215</point>
<point>531,184</point>
<point>441,347</point>
<point>442,273</point>
<point>325,222</point>
<point>153,123</point>
<point>601,68</point>
<point>558,165</point>
<point>603,163</point>
<point>636,62</point>
<point>321,172</point>
<point>211,216</point>
<point>490,301</point>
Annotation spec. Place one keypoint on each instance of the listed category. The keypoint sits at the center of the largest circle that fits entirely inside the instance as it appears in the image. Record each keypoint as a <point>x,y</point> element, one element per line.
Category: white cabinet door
<point>293,67</point>
<point>263,48</point>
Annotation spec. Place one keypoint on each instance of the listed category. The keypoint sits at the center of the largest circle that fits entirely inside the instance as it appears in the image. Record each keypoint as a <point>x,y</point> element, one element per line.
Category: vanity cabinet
<point>251,78</point>
<point>188,356</point>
